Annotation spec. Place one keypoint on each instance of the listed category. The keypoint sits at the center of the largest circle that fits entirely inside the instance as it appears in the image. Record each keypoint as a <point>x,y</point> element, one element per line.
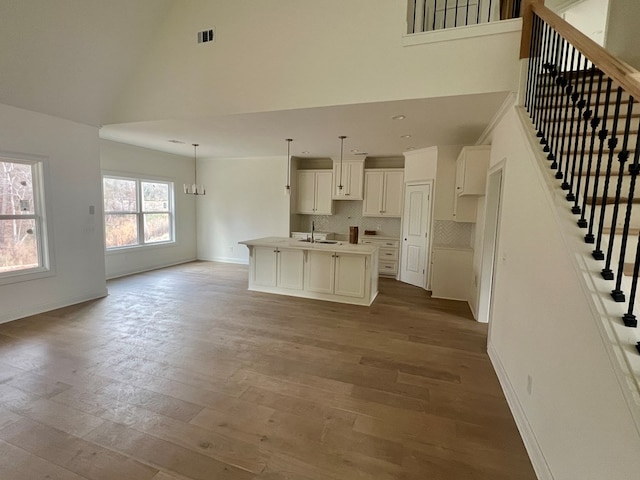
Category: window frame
<point>140,213</point>
<point>41,216</point>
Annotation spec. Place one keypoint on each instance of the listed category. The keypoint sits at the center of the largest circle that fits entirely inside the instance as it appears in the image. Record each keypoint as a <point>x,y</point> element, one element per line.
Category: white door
<point>415,235</point>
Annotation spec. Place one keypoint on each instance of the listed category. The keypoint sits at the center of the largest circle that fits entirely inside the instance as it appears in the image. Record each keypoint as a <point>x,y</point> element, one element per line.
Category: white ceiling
<point>456,120</point>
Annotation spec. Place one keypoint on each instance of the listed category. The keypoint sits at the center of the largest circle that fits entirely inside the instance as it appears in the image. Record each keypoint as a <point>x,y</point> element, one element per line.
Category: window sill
<point>133,248</point>
<point>459,33</point>
<point>26,276</point>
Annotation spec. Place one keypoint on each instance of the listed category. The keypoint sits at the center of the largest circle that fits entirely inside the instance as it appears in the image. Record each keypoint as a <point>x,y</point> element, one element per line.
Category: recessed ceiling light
<point>175,141</point>
<point>405,136</point>
<point>398,117</point>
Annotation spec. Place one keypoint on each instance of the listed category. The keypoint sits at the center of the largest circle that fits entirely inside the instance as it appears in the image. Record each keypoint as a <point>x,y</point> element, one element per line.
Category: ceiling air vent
<point>206,36</point>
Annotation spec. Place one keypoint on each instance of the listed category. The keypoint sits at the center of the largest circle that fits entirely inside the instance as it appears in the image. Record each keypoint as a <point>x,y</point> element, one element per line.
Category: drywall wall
<point>420,164</point>
<point>287,54</point>
<point>118,158</point>
<point>72,185</point>
<point>574,413</point>
<point>244,200</point>
<point>622,34</point>
<point>590,17</point>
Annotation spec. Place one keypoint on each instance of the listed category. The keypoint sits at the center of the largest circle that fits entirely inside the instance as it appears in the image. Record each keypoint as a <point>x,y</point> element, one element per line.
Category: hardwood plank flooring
<point>183,374</point>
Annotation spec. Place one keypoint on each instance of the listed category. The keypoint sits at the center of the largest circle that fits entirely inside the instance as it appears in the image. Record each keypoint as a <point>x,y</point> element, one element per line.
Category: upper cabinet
<point>383,191</point>
<point>352,180</point>
<point>314,192</point>
<point>471,170</point>
<point>471,178</point>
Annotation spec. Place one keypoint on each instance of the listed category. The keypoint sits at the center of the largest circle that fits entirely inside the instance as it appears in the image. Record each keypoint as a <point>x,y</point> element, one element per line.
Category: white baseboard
<point>230,260</point>
<point>149,269</point>
<point>536,456</point>
<point>35,309</point>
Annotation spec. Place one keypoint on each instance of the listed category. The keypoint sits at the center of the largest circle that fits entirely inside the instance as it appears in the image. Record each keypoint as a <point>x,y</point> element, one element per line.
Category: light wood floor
<point>183,374</point>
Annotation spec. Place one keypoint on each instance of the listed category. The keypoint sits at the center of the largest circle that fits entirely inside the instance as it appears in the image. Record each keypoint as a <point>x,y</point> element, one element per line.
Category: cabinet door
<point>306,192</point>
<point>351,274</point>
<point>319,272</point>
<point>338,194</point>
<point>373,189</point>
<point>356,180</point>
<point>324,204</point>
<point>393,186</point>
<point>264,266</point>
<point>290,269</point>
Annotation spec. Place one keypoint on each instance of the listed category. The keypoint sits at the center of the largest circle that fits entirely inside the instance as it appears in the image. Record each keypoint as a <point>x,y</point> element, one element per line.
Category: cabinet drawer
<point>387,268</point>
<point>386,254</point>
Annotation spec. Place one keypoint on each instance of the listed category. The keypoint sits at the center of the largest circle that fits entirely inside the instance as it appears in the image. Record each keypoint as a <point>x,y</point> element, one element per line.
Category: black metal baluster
<point>561,82</point>
<point>466,16</point>
<point>455,20</point>
<point>413,24</point>
<point>544,79</point>
<point>424,15</point>
<point>550,88</point>
<point>444,23</point>
<point>613,142</point>
<point>579,103</point>
<point>561,156</point>
<point>489,13</point>
<point>478,13</point>
<point>623,156</point>
<point>435,13</point>
<point>533,66</point>
<point>629,318</point>
<point>595,122</point>
<point>585,128</point>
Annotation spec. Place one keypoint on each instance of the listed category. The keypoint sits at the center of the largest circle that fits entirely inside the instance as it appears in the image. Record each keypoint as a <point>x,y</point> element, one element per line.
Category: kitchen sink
<point>330,242</point>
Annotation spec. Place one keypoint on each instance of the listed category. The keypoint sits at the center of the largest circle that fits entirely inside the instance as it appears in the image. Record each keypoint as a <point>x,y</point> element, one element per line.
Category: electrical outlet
<point>529,384</point>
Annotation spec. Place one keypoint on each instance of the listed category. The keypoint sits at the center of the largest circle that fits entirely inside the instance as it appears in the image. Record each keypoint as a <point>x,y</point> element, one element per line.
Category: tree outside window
<point>137,212</point>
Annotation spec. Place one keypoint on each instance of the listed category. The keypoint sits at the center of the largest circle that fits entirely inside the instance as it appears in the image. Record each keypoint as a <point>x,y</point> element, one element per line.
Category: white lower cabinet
<point>336,273</point>
<point>276,267</point>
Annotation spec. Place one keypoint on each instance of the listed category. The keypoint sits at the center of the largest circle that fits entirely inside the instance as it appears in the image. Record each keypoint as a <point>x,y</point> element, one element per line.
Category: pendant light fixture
<point>340,186</point>
<point>287,187</point>
<point>195,188</point>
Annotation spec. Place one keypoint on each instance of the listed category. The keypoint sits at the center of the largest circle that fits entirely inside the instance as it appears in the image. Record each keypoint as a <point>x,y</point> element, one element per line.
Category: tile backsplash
<point>346,213</point>
<point>452,234</point>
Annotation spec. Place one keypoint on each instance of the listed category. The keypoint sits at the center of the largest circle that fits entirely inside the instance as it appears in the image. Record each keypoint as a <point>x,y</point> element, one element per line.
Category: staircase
<point>587,120</point>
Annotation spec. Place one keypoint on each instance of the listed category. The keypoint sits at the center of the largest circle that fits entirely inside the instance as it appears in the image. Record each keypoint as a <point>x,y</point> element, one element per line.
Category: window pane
<point>119,195</point>
<point>156,227</point>
<point>155,197</point>
<point>18,245</point>
<point>16,189</point>
<point>121,230</point>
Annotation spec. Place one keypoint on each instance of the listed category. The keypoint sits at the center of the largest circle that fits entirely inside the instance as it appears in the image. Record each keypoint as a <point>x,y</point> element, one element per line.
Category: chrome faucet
<point>313,229</point>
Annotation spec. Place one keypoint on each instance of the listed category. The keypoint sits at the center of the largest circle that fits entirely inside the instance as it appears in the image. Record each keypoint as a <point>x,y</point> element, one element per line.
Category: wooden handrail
<point>620,72</point>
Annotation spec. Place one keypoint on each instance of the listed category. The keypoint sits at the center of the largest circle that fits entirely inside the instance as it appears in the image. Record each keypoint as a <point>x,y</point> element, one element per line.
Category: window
<point>137,212</point>
<point>23,240</point>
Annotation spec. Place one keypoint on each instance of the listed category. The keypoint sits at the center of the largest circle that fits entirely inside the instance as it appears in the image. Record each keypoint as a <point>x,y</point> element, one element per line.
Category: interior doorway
<point>490,242</point>
<point>415,234</point>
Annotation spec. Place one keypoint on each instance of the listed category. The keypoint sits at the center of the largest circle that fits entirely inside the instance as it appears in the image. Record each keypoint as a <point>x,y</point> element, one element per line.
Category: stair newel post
<point>568,90</point>
<point>602,136</point>
<point>560,82</point>
<point>623,156</point>
<point>588,72</point>
<point>552,71</point>
<point>578,102</point>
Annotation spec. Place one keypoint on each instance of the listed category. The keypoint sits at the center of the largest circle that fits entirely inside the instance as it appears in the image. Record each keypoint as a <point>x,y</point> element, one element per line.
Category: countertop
<point>284,242</point>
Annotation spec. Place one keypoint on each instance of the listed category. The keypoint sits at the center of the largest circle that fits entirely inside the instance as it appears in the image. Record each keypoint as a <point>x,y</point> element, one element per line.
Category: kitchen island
<point>326,270</point>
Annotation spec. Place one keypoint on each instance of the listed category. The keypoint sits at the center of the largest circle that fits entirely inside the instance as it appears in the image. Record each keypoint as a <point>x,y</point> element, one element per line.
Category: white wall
<point>73,185</point>
<point>245,200</point>
<point>623,35</point>
<point>285,54</point>
<point>542,327</point>
<point>421,164</point>
<point>127,159</point>
<point>590,17</point>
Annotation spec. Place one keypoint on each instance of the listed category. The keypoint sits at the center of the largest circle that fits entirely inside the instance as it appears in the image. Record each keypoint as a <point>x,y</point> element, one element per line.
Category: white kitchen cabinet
<point>388,253</point>
<point>471,176</point>
<point>452,270</point>
<point>336,273</point>
<point>352,180</point>
<point>383,192</point>
<point>314,192</point>
<point>276,267</point>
